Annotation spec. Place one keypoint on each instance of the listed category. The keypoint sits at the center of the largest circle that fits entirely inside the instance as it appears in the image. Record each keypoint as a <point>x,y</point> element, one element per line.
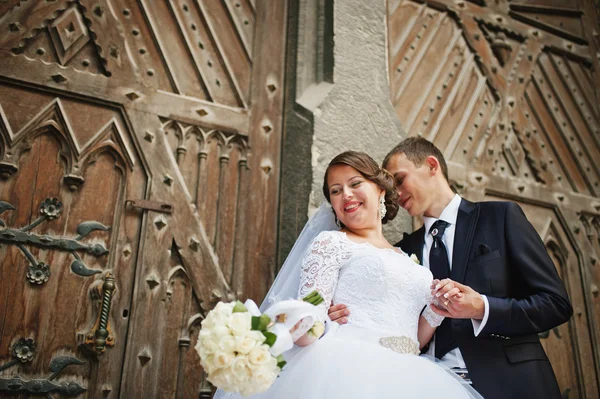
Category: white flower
<point>228,343</point>
<point>415,259</point>
<point>243,377</point>
<point>259,355</point>
<point>220,331</point>
<point>240,323</point>
<point>218,316</point>
<point>264,377</point>
<point>224,307</point>
<point>245,344</point>
<point>240,366</point>
<point>207,343</point>
<point>256,335</point>
<point>223,359</point>
<point>222,378</point>
<point>208,363</point>
<point>232,354</point>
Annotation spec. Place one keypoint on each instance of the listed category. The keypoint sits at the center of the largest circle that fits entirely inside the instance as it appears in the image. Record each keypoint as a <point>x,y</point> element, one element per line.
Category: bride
<point>376,354</point>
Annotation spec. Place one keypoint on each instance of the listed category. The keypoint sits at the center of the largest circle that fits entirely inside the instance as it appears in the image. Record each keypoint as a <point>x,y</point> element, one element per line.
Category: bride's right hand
<point>302,337</point>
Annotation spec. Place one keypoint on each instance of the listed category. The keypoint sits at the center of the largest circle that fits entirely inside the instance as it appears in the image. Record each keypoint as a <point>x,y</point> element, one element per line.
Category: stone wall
<point>338,99</point>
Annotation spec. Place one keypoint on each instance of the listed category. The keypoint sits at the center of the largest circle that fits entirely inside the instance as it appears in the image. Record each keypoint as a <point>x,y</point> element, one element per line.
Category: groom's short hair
<point>417,149</point>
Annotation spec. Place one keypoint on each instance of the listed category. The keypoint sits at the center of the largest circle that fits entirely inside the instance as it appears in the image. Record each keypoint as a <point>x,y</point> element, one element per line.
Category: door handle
<point>102,335</point>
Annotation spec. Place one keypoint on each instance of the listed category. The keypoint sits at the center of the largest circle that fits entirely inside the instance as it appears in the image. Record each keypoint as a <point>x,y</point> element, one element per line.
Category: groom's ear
<point>433,164</point>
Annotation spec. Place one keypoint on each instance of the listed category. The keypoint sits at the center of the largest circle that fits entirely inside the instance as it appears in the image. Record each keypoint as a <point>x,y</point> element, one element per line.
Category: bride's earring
<point>382,208</point>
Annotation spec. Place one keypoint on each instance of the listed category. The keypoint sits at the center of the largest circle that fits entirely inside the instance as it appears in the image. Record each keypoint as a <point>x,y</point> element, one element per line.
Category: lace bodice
<point>383,288</point>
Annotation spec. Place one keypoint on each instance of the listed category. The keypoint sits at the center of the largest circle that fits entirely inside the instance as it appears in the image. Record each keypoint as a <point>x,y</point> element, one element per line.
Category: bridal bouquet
<point>241,349</point>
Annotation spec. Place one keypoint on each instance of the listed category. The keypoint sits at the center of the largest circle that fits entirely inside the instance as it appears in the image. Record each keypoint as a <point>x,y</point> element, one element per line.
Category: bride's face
<point>354,198</point>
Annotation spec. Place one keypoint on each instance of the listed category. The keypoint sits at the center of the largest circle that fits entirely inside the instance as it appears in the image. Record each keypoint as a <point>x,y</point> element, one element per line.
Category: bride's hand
<point>339,313</point>
<point>459,301</point>
<point>449,293</point>
<point>304,336</point>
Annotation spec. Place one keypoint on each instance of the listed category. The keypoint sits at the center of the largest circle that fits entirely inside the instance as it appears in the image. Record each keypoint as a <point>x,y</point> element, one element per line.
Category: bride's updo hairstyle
<point>367,167</point>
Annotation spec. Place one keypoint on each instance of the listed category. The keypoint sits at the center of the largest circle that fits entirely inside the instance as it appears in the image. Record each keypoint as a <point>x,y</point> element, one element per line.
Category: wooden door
<point>139,168</point>
<point>509,91</point>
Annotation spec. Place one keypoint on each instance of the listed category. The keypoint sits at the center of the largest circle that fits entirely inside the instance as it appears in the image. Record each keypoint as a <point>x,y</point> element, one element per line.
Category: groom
<point>498,285</point>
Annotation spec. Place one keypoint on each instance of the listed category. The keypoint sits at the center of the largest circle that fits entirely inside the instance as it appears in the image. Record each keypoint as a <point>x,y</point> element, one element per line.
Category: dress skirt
<point>349,363</point>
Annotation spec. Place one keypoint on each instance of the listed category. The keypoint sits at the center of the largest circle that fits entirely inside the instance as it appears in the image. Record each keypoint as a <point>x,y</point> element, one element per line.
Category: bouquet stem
<point>314,298</point>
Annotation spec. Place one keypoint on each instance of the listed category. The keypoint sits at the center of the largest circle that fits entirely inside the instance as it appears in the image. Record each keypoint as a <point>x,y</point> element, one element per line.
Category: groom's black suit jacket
<point>498,253</point>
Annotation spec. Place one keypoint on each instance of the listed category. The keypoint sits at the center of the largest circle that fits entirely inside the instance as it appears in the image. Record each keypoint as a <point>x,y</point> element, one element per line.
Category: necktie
<point>438,256</point>
<point>440,267</point>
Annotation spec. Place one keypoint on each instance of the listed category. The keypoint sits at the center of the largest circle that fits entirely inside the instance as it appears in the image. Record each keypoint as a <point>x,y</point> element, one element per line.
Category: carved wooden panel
<point>194,90</point>
<point>509,91</point>
<point>214,166</point>
<point>65,163</point>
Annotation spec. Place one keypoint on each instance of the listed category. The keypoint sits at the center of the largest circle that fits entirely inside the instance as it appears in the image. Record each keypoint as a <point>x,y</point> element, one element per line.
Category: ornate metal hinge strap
<point>39,272</point>
<point>102,336</point>
<point>24,350</point>
<point>150,205</point>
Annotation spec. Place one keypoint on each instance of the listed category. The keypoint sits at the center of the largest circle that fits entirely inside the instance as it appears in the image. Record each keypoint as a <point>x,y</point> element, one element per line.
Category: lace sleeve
<point>432,318</point>
<point>320,268</point>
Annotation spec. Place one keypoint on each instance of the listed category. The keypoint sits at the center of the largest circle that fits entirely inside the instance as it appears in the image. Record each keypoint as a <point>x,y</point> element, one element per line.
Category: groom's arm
<point>545,303</point>
<point>542,303</point>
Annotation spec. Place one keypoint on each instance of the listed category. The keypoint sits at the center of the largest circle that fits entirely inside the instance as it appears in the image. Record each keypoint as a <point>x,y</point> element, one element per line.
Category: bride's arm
<point>429,320</point>
<point>320,272</point>
<point>425,332</point>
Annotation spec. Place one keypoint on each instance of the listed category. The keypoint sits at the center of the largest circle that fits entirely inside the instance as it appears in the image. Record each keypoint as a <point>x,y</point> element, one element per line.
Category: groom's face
<point>411,183</point>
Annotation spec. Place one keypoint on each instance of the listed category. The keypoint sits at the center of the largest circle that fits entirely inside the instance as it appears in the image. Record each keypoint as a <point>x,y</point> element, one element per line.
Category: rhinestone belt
<point>402,345</point>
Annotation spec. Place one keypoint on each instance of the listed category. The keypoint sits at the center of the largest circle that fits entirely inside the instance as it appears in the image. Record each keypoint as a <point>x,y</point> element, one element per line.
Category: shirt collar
<point>449,214</point>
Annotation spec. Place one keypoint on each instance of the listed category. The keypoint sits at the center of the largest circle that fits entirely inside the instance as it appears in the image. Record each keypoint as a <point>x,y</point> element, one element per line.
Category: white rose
<point>208,363</point>
<point>415,259</point>
<point>223,359</point>
<point>224,307</point>
<point>208,343</point>
<point>259,355</point>
<point>202,352</point>
<point>240,365</point>
<point>240,323</point>
<point>222,378</point>
<point>218,316</point>
<point>245,344</point>
<point>227,343</point>
<point>220,331</point>
<point>256,336</point>
<point>243,377</point>
<point>209,322</point>
<point>263,378</point>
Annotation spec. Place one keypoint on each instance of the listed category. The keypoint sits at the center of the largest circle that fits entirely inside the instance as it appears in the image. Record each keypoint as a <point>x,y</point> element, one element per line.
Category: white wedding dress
<point>385,292</point>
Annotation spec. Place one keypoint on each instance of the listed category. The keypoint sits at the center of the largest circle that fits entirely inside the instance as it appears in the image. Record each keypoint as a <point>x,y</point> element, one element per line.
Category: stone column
<point>338,99</point>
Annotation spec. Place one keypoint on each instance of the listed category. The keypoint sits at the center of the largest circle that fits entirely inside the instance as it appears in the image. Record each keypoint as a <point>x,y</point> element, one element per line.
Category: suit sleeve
<point>544,303</point>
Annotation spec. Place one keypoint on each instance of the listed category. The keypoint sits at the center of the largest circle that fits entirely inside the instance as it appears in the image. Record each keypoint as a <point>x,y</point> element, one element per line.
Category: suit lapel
<point>413,243</point>
<point>417,243</point>
<point>468,213</point>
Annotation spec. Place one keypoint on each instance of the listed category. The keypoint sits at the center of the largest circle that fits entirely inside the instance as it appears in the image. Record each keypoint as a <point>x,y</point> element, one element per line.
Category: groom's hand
<point>459,301</point>
<point>339,313</point>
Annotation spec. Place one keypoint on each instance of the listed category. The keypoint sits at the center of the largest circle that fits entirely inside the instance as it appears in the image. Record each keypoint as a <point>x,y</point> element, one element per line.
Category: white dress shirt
<point>450,214</point>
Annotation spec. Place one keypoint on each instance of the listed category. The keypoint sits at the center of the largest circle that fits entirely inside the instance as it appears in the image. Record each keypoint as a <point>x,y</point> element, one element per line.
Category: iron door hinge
<point>150,205</point>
